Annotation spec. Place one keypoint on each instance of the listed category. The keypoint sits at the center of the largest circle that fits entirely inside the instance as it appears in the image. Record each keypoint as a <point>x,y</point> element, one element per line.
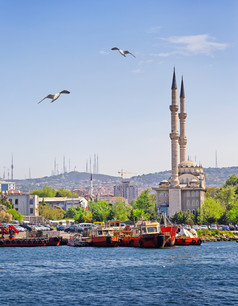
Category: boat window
<point>106,232</point>
<point>143,229</point>
<point>152,229</point>
<point>99,232</point>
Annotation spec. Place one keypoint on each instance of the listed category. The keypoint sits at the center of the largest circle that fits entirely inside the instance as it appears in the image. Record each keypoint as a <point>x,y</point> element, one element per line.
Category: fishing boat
<point>76,240</point>
<point>145,234</point>
<point>11,241</point>
<point>170,230</point>
<point>185,237</point>
<point>29,242</point>
<point>188,241</point>
<point>103,237</point>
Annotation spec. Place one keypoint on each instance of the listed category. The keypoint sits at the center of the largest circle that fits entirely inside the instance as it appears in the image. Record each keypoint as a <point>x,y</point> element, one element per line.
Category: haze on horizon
<point>118,106</point>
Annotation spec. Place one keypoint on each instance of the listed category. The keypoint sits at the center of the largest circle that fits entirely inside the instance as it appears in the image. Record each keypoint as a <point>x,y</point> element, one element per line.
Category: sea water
<point>182,275</point>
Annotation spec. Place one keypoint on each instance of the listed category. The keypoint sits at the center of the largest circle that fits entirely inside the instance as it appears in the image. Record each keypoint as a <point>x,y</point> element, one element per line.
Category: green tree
<point>180,218</point>
<point>51,213</point>
<point>227,197</point>
<point>211,211</point>
<point>65,193</point>
<point>15,214</point>
<point>101,210</point>
<point>232,180</point>
<point>71,212</point>
<point>47,192</point>
<point>81,215</point>
<point>147,203</point>
<point>233,214</point>
<point>120,210</point>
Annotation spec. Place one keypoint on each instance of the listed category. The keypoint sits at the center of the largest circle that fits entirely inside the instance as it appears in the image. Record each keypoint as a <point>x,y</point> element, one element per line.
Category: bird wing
<point>65,92</point>
<point>49,97</point>
<point>127,52</point>
<point>115,48</point>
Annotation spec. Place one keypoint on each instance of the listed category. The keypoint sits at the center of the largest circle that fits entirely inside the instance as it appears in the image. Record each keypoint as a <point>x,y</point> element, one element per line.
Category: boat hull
<point>29,242</point>
<point>104,241</point>
<point>170,232</point>
<point>188,241</point>
<point>152,241</point>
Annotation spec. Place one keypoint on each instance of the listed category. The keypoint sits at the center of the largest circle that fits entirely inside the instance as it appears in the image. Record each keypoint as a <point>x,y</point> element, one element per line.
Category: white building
<point>65,202</point>
<point>6,186</point>
<point>25,204</point>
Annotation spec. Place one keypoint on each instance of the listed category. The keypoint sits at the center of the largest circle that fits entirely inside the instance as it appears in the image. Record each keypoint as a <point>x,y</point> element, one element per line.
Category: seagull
<point>56,96</point>
<point>123,52</point>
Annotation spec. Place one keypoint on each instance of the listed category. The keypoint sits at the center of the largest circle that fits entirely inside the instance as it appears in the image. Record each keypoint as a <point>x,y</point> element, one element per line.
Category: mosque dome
<point>189,164</point>
<point>164,183</point>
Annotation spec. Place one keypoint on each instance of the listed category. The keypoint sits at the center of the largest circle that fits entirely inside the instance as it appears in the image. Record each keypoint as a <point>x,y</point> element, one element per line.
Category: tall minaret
<point>182,117</point>
<point>91,186</point>
<point>12,169</point>
<point>174,135</point>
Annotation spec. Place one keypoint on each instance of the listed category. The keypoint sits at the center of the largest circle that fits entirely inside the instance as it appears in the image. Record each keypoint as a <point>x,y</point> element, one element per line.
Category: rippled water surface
<point>183,275</point>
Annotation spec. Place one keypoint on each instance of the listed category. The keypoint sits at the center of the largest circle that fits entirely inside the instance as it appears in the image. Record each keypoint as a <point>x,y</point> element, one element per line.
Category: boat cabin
<point>102,232</point>
<point>150,228</point>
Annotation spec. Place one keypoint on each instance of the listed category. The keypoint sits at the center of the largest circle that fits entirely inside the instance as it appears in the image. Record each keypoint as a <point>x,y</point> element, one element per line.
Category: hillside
<point>214,177</point>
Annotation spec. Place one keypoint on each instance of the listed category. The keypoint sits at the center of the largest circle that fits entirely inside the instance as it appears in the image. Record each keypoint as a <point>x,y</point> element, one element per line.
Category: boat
<point>185,237</point>
<point>76,240</point>
<point>11,241</point>
<point>145,234</point>
<point>104,237</point>
<point>169,229</point>
<point>29,242</point>
<point>188,241</point>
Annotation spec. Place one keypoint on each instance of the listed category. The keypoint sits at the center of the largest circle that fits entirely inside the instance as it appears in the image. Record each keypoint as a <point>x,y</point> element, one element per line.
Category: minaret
<point>174,135</point>
<point>182,118</point>
<point>91,187</point>
<point>12,169</point>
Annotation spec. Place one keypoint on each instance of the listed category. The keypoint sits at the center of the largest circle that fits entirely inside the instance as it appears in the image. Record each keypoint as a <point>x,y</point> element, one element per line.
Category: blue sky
<point>118,107</point>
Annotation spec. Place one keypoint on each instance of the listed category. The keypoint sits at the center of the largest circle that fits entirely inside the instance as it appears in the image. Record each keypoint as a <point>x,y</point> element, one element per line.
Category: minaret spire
<point>182,118</point>
<point>174,135</point>
<point>12,169</point>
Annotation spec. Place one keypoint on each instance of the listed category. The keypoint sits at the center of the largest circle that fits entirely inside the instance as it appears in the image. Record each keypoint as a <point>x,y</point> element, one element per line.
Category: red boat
<point>104,237</point>
<point>144,235</point>
<point>25,242</point>
<point>170,231</point>
<point>188,241</point>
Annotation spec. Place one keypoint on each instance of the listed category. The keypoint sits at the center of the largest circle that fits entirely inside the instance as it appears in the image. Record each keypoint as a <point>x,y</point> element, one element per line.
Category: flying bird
<point>123,52</point>
<point>55,97</point>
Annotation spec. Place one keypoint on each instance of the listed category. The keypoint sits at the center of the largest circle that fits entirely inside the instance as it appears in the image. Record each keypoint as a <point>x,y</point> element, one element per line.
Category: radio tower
<point>12,169</point>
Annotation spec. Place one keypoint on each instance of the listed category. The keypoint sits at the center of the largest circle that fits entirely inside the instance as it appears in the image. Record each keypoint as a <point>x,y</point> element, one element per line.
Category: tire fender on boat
<point>193,241</point>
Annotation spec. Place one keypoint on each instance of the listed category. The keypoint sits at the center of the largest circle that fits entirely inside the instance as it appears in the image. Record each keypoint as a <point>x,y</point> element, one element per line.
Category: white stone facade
<point>25,204</point>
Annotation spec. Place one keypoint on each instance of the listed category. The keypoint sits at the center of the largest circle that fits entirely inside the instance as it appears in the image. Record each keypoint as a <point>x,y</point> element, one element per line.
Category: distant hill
<point>215,177</point>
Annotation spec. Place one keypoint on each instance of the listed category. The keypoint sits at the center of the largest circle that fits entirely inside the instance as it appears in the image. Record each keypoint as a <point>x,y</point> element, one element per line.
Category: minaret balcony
<point>173,108</point>
<point>182,115</point>
<point>182,141</point>
<point>174,136</point>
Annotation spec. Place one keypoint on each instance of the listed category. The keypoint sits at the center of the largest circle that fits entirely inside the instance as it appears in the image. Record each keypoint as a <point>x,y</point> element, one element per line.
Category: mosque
<point>186,188</point>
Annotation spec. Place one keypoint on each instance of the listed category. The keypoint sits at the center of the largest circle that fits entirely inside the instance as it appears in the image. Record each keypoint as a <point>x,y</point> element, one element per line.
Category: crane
<point>122,173</point>
<point>125,172</point>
